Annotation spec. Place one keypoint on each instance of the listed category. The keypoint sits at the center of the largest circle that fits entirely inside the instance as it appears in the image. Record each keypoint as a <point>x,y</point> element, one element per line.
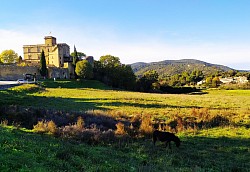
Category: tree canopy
<point>8,56</point>
<point>148,81</point>
<point>79,54</point>
<point>84,69</point>
<point>110,61</point>
<point>110,71</point>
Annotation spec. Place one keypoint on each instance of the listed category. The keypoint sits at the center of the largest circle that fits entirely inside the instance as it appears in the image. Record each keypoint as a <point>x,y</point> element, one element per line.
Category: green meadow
<point>215,148</point>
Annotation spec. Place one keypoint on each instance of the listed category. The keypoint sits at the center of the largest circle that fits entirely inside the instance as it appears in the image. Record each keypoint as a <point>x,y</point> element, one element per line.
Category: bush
<point>80,123</point>
<point>45,127</point>
<point>51,127</point>
<point>120,129</point>
<point>4,123</point>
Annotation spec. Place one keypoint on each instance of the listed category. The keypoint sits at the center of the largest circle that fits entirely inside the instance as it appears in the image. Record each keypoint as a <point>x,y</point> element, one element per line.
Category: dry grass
<point>45,127</point>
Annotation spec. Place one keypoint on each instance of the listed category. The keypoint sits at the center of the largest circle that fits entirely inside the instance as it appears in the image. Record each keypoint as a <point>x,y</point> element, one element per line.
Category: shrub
<point>120,129</point>
<point>45,127</point>
<point>51,127</point>
<point>80,123</point>
<point>40,127</point>
<point>4,123</point>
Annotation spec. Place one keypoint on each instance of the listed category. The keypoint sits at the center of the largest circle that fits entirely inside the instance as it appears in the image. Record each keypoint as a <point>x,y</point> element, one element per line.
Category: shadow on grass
<point>23,98</point>
<point>74,84</point>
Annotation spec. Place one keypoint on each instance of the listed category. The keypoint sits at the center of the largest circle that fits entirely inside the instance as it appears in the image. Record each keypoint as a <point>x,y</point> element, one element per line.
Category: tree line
<point>109,70</point>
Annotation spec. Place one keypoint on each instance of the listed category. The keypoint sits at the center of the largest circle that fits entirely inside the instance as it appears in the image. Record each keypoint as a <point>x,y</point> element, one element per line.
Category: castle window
<point>28,50</point>
<point>48,50</point>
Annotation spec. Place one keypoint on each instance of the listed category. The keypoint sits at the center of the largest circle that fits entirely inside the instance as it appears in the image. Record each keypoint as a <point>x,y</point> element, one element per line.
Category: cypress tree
<point>75,57</point>
<point>75,60</point>
<point>43,68</point>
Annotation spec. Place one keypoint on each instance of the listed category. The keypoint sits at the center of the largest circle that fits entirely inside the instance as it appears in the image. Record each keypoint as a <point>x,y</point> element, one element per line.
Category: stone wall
<point>13,72</point>
<point>58,73</point>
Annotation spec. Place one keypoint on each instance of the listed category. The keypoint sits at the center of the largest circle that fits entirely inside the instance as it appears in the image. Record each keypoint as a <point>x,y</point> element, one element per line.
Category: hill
<point>171,67</point>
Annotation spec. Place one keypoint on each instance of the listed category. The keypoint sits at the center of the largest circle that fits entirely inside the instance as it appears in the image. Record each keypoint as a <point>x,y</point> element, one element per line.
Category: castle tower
<point>50,41</point>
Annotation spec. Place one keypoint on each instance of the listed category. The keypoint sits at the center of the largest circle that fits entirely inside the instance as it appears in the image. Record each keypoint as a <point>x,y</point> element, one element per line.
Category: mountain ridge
<point>171,67</point>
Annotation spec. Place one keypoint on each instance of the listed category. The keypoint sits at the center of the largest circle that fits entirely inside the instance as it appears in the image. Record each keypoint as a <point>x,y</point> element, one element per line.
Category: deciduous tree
<point>79,54</point>
<point>111,71</point>
<point>8,56</point>
<point>84,69</point>
<point>145,83</point>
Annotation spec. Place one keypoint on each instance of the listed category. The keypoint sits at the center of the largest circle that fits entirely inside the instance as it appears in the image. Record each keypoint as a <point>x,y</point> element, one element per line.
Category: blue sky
<point>215,31</point>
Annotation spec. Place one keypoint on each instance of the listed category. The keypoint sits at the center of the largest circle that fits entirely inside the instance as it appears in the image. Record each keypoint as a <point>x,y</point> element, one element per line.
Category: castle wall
<point>58,73</point>
<point>13,72</point>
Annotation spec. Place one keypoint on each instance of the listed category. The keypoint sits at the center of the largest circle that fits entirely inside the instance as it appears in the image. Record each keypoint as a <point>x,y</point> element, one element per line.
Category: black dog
<point>166,137</point>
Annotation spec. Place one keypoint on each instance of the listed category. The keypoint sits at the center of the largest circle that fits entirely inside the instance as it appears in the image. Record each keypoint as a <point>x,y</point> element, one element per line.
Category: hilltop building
<point>56,54</point>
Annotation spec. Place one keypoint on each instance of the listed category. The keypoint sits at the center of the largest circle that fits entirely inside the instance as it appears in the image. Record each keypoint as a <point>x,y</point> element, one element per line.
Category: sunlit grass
<point>89,95</point>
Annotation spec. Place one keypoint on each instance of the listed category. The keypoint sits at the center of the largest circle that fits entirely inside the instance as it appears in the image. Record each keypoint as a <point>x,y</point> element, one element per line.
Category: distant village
<point>229,80</point>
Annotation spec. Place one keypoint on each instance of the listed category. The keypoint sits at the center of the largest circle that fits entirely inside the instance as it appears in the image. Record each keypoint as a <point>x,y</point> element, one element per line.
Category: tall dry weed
<point>120,129</point>
<point>45,127</point>
<point>146,127</point>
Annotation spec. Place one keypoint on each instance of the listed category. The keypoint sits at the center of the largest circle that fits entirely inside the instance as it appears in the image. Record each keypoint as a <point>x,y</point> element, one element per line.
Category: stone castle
<point>58,59</point>
<point>56,54</point>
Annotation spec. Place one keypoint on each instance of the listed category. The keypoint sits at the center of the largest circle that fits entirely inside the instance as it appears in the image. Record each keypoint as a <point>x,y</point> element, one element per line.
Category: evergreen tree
<point>75,57</point>
<point>43,67</point>
<point>75,60</point>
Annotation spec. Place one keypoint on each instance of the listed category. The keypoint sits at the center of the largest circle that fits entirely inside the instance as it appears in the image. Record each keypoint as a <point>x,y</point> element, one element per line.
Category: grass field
<point>224,148</point>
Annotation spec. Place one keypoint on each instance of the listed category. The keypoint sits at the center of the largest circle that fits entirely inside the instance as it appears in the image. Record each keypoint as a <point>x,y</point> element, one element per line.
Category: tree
<point>43,67</point>
<point>20,59</point>
<point>75,57</point>
<point>215,82</point>
<point>79,54</point>
<point>111,69</point>
<point>8,56</point>
<point>84,69</point>
<point>209,80</point>
<point>148,81</point>
<point>110,61</point>
<point>126,77</point>
<point>151,76</point>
